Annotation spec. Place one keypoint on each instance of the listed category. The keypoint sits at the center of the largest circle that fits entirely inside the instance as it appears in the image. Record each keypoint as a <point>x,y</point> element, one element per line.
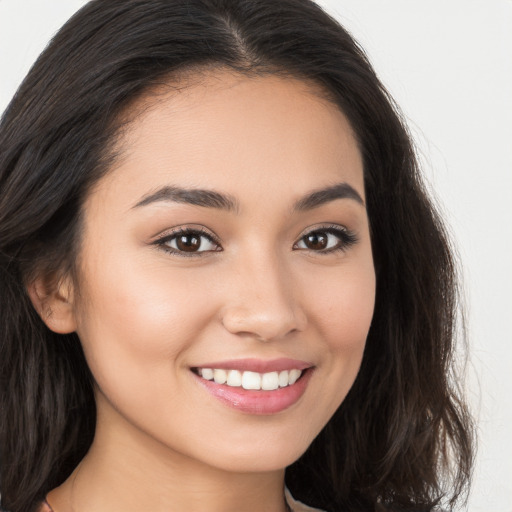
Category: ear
<point>53,300</point>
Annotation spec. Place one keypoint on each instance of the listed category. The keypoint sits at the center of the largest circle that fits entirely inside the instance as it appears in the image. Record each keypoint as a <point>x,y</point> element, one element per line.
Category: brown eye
<point>189,242</point>
<point>316,241</point>
<point>327,240</point>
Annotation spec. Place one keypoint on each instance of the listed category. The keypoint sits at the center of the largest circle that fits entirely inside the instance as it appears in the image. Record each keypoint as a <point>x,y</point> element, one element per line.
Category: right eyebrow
<point>194,196</point>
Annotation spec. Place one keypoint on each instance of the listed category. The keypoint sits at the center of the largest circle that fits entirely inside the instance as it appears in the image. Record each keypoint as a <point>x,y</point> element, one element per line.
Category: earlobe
<point>54,304</point>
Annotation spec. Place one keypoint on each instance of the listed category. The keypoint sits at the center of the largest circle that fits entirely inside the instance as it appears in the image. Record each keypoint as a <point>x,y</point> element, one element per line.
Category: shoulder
<point>297,506</point>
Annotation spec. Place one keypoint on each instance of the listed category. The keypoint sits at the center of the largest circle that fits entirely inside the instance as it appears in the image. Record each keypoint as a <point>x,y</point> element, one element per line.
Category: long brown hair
<point>402,438</point>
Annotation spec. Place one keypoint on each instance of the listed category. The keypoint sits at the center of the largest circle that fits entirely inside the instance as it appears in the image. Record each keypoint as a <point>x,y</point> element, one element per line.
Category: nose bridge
<point>263,301</point>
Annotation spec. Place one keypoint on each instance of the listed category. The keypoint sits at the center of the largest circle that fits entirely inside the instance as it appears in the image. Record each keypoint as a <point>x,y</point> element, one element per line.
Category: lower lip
<point>258,402</point>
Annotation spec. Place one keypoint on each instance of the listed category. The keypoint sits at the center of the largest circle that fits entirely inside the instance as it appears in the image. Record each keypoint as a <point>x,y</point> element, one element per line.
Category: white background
<point>448,63</point>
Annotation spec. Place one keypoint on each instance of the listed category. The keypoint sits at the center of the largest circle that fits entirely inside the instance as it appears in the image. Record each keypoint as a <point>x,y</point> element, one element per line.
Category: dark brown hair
<point>402,438</point>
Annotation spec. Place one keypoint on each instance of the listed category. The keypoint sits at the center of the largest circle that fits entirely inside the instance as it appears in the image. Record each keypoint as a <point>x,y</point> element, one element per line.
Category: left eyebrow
<point>325,195</point>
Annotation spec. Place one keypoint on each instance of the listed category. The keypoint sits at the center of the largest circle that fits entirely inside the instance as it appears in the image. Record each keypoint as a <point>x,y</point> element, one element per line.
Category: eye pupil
<point>316,241</point>
<point>188,243</point>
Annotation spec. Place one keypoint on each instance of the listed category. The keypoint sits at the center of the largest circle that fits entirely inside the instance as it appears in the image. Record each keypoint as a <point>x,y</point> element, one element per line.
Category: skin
<point>146,316</point>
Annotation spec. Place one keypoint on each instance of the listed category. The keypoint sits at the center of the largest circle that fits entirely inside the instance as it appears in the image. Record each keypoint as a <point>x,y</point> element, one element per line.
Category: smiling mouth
<point>277,386</point>
<point>249,380</point>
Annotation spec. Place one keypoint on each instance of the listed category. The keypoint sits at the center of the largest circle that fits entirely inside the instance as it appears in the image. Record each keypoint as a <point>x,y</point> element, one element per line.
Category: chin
<point>272,458</point>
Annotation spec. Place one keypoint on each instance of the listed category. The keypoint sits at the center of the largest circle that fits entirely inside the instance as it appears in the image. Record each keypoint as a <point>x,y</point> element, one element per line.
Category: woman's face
<point>230,241</point>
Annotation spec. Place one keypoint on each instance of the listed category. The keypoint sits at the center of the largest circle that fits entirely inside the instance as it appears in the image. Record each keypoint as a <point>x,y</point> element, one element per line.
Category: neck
<point>129,471</point>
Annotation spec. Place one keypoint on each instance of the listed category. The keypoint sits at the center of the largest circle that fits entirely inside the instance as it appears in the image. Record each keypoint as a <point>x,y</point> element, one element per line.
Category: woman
<point>221,274</point>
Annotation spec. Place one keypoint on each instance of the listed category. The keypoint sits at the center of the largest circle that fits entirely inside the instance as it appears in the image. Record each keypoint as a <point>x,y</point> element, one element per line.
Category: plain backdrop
<point>448,63</point>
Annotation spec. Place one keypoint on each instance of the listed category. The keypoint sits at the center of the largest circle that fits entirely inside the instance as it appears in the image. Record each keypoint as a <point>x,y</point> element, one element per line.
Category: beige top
<point>297,506</point>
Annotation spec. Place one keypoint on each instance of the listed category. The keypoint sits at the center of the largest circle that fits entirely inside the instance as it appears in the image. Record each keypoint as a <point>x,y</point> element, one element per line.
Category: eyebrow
<point>213,199</point>
<point>194,196</point>
<point>325,195</point>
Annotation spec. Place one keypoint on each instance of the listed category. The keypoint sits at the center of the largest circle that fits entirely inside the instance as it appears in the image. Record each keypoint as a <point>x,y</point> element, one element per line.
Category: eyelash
<point>346,240</point>
<point>200,233</point>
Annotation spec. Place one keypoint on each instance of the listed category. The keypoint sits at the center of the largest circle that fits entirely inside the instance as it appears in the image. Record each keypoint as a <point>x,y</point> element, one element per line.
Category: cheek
<point>343,308</point>
<point>137,321</point>
<point>341,311</point>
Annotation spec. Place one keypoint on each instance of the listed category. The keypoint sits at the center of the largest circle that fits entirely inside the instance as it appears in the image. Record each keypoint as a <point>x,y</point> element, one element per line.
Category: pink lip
<point>257,401</point>
<point>258,365</point>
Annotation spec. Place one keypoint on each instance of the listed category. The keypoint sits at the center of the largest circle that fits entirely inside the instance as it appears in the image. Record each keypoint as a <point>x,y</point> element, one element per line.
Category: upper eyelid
<point>323,227</point>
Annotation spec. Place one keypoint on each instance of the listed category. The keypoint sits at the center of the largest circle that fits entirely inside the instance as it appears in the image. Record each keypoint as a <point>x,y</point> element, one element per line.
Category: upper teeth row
<point>251,380</point>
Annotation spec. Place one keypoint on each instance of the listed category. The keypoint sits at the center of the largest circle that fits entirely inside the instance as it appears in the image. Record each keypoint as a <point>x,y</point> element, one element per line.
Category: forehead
<point>234,132</point>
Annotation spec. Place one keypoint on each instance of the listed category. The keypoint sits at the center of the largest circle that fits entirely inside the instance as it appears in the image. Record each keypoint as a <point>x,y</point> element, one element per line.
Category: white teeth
<point>234,378</point>
<point>251,380</point>
<point>270,381</point>
<point>207,373</point>
<point>220,376</point>
<point>294,375</point>
<point>283,378</point>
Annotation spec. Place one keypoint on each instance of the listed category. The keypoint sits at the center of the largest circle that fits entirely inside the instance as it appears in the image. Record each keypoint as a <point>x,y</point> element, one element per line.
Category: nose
<point>263,301</point>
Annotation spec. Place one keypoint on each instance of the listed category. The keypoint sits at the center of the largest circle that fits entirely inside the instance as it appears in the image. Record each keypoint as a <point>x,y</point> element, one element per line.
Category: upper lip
<point>257,365</point>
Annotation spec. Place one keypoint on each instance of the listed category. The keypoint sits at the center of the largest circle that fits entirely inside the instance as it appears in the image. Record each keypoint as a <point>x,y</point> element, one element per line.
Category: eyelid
<point>186,228</point>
